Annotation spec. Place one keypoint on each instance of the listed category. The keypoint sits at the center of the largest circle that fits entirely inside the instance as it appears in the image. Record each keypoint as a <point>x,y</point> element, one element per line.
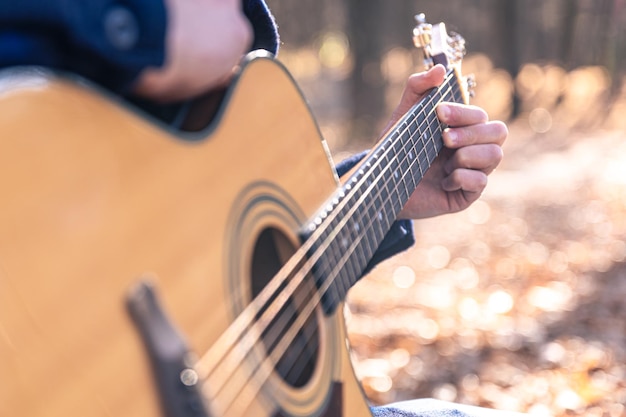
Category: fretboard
<point>349,230</point>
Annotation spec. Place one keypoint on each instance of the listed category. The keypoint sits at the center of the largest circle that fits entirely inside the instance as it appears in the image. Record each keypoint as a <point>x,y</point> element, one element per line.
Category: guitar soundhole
<point>293,348</point>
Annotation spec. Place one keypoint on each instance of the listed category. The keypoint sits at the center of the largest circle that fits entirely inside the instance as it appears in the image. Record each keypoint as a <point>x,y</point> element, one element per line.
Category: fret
<point>347,271</point>
<point>375,206</point>
<point>355,225</point>
<point>393,204</point>
<point>410,179</point>
<point>431,151</point>
<point>410,132</point>
<point>397,145</point>
<point>437,144</point>
<point>425,139</point>
<point>380,220</point>
<point>404,168</point>
<point>420,116</point>
<point>320,272</point>
<point>345,237</point>
<point>327,262</point>
<point>422,158</point>
<point>356,230</point>
<point>381,214</point>
<point>394,169</point>
<point>450,94</point>
<point>360,262</point>
<point>370,213</point>
<point>336,262</point>
<point>385,157</point>
<point>397,204</point>
<point>437,97</point>
<point>341,285</point>
<point>368,246</point>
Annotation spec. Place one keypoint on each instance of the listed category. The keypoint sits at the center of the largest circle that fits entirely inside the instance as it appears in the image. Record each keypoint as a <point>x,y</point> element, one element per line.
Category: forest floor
<point>518,303</point>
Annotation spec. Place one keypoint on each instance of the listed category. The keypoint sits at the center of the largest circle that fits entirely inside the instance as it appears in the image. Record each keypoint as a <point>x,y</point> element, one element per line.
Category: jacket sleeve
<point>399,238</point>
<point>109,41</point>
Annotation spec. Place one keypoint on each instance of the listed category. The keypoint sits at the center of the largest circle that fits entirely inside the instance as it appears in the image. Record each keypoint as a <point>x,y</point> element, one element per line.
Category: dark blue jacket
<point>112,41</point>
<point>108,41</point>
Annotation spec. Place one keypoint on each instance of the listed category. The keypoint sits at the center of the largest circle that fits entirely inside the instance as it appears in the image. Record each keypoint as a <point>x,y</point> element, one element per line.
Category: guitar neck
<point>350,229</point>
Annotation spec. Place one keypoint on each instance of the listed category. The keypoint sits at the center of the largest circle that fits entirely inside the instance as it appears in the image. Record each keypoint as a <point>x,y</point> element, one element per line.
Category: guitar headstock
<point>439,47</point>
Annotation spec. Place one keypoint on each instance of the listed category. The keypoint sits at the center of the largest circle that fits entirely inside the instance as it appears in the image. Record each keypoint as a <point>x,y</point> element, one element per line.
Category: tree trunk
<point>367,84</point>
<point>507,23</point>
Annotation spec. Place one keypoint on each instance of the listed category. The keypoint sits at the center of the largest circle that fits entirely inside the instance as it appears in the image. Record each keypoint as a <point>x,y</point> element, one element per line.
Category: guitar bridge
<point>171,359</point>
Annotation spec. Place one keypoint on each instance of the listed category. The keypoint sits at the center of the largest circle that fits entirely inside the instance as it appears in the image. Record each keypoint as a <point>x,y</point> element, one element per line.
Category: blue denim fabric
<point>429,407</point>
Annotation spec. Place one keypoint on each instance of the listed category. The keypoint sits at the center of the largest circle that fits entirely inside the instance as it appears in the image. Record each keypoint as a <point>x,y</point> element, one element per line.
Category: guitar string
<point>239,325</point>
<point>238,359</point>
<point>296,366</point>
<point>277,355</point>
<point>309,266</point>
<point>236,326</point>
<point>265,369</point>
<point>297,327</point>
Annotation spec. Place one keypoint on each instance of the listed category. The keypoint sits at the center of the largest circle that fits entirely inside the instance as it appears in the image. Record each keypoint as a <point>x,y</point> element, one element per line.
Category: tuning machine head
<point>470,84</point>
<point>436,45</point>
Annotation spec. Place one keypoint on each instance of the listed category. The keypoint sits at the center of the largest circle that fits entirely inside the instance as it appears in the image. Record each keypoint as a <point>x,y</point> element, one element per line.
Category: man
<point>173,50</point>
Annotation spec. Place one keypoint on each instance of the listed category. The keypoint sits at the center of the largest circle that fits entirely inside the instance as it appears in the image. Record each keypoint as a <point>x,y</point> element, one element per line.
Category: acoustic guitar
<point>148,271</point>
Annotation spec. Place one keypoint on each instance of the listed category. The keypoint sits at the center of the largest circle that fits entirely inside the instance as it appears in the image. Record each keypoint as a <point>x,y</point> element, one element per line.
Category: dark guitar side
<point>95,197</point>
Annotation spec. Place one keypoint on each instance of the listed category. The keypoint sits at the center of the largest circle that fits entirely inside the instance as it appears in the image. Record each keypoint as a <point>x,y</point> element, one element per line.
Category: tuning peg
<point>422,33</point>
<point>470,82</point>
<point>457,44</point>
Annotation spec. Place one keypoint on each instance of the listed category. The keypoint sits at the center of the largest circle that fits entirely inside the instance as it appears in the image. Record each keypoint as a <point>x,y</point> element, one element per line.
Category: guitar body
<point>95,198</point>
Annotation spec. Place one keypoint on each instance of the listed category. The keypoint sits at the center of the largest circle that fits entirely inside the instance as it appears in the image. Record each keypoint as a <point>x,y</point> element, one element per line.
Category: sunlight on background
<point>517,302</point>
<point>333,50</point>
<point>494,305</point>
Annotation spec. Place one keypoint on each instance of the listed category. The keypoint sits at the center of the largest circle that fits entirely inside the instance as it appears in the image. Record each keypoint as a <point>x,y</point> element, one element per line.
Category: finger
<point>419,84</point>
<point>422,82</point>
<point>480,133</point>
<point>483,157</point>
<point>455,114</point>
<point>470,181</point>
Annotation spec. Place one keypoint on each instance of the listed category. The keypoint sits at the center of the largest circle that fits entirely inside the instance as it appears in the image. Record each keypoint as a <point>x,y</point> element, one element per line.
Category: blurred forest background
<point>518,303</point>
